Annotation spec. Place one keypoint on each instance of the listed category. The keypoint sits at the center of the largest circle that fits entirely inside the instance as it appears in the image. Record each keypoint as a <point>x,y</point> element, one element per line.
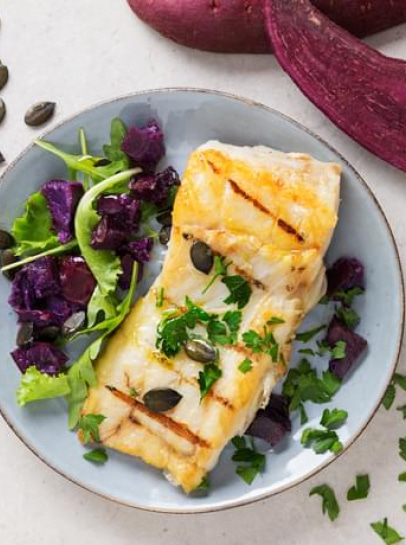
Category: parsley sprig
<point>89,425</point>
<point>253,461</point>
<point>210,374</point>
<point>323,440</point>
<point>265,343</point>
<point>239,288</point>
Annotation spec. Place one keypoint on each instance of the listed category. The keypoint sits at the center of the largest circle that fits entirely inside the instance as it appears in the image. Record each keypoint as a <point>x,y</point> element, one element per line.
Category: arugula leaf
<point>62,248</point>
<point>240,290</point>
<point>389,535</point>
<point>97,455</point>
<point>333,419</point>
<point>220,269</point>
<point>113,151</point>
<point>105,265</point>
<point>306,336</point>
<point>35,385</point>
<point>32,232</point>
<point>210,374</point>
<point>348,316</point>
<point>338,351</point>
<point>347,296</point>
<point>89,425</point>
<point>245,366</point>
<point>329,504</point>
<point>321,440</point>
<point>360,490</point>
<point>254,460</point>
<point>389,397</point>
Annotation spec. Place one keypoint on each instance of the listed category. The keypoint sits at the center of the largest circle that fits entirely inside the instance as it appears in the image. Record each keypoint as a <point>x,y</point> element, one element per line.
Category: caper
<point>39,113</point>
<point>2,109</point>
<point>74,323</point>
<point>165,234</point>
<point>7,258</point>
<point>165,218</point>
<point>49,333</point>
<point>202,257</point>
<point>3,75</point>
<point>6,240</point>
<point>25,335</point>
<point>200,350</point>
<point>160,400</point>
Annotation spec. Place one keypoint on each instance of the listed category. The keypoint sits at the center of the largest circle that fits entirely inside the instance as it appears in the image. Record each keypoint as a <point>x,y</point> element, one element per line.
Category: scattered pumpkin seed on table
<point>2,109</point>
<point>3,75</point>
<point>39,113</point>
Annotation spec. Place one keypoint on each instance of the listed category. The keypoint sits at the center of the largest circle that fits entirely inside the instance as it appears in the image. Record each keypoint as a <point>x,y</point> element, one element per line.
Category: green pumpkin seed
<point>49,333</point>
<point>3,75</point>
<point>202,257</point>
<point>6,240</point>
<point>165,218</point>
<point>2,109</point>
<point>165,234</point>
<point>39,113</point>
<point>200,350</point>
<point>7,258</point>
<point>160,400</point>
<point>74,323</point>
<point>25,335</point>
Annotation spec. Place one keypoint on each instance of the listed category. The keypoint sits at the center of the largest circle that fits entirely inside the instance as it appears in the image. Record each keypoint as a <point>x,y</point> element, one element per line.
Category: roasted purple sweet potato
<point>360,90</point>
<point>272,423</point>
<point>355,346</point>
<point>237,26</point>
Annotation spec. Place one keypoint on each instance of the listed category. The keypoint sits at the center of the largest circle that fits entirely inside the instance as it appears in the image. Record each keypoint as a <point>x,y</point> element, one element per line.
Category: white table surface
<point>83,51</point>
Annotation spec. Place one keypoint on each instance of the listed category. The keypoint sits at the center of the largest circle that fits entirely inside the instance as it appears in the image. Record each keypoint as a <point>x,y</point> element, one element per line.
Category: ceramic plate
<point>189,118</point>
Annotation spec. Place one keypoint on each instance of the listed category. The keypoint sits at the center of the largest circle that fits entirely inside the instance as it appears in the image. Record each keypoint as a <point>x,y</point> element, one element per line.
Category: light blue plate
<point>189,118</point>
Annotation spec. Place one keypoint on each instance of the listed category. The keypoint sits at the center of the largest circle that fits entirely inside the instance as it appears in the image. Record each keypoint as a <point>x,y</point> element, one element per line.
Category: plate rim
<point>284,487</point>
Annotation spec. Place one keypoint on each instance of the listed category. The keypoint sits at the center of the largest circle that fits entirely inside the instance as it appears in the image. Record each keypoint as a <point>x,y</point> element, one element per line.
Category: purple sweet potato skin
<point>237,26</point>
<point>360,90</point>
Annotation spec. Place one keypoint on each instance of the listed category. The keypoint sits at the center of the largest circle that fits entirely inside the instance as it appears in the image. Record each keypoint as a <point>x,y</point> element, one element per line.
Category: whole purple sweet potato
<point>237,26</point>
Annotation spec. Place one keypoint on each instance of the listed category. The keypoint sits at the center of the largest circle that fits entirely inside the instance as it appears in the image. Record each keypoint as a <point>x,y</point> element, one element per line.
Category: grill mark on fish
<point>176,427</point>
<point>220,399</point>
<point>249,278</point>
<point>280,222</point>
<point>214,167</point>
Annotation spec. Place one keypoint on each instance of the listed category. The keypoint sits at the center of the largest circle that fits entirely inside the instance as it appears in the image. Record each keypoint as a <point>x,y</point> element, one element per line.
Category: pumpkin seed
<point>202,257</point>
<point>7,258</point>
<point>3,75</point>
<point>200,350</point>
<point>74,323</point>
<point>160,400</point>
<point>165,234</point>
<point>25,335</point>
<point>49,333</point>
<point>6,240</point>
<point>39,113</point>
<point>2,109</point>
<point>165,218</point>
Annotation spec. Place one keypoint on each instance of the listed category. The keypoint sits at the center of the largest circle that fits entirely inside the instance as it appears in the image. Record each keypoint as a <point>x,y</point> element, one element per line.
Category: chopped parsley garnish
<point>389,535</point>
<point>324,300</point>
<point>240,290</point>
<point>233,319</point>
<point>307,352</point>
<point>262,344</point>
<point>348,316</point>
<point>275,320</point>
<point>402,448</point>
<point>347,296</point>
<point>329,504</point>
<point>97,456</point>
<point>403,410</point>
<point>338,350</point>
<point>220,269</point>
<point>204,485</point>
<point>133,392</point>
<point>306,336</point>
<point>89,425</point>
<point>225,331</point>
<point>333,419</point>
<point>160,298</point>
<point>402,478</point>
<point>323,440</point>
<point>245,366</point>
<point>253,461</point>
<point>210,374</point>
<point>390,394</point>
<point>360,490</point>
<point>399,380</point>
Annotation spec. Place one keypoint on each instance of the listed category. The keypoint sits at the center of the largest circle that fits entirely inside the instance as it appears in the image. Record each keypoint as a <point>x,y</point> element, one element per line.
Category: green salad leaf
<point>32,232</point>
<point>61,249</point>
<point>35,385</point>
<point>329,504</point>
<point>113,151</point>
<point>100,305</point>
<point>105,265</point>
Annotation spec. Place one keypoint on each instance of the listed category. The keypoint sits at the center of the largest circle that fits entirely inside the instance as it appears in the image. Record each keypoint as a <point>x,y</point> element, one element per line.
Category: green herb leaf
<point>361,489</point>
<point>306,336</point>
<point>333,419</point>
<point>275,320</point>
<point>105,265</point>
<point>324,300</point>
<point>204,486</point>
<point>233,319</point>
<point>113,151</point>
<point>389,397</point>
<point>32,232</point>
<point>402,448</point>
<point>210,374</point>
<point>399,380</point>
<point>304,419</point>
<point>35,385</point>
<point>133,392</point>
<point>389,535</point>
<point>220,269</point>
<point>245,366</point>
<point>100,306</point>
<point>97,456</point>
<point>240,290</point>
<point>160,298</point>
<point>403,410</point>
<point>329,504</point>
<point>339,350</point>
<point>307,351</point>
<point>266,344</point>
<point>321,440</point>
<point>347,296</point>
<point>89,425</point>
<point>254,460</point>
<point>402,477</point>
<point>348,316</point>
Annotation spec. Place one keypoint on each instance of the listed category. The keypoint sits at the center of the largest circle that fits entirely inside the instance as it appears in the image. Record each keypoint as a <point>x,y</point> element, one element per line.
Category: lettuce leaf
<point>61,249</point>
<point>35,385</point>
<point>32,232</point>
<point>113,151</point>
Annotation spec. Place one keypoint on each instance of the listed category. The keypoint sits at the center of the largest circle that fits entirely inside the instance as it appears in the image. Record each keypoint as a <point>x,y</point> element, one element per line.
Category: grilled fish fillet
<point>272,215</point>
